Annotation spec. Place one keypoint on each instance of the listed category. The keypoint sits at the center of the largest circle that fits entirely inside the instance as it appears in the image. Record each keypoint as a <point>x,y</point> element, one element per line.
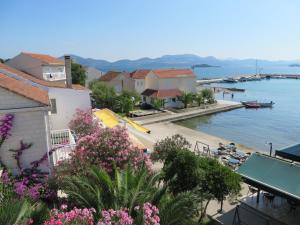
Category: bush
<point>106,148</point>
<point>164,147</point>
<point>83,123</point>
<point>208,95</point>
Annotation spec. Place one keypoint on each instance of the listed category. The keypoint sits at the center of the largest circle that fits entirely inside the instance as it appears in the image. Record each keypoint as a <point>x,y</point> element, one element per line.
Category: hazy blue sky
<point>112,30</point>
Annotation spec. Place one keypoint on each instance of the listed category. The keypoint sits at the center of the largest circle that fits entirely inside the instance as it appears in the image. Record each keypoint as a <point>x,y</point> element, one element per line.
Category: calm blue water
<point>255,127</point>
<point>229,71</point>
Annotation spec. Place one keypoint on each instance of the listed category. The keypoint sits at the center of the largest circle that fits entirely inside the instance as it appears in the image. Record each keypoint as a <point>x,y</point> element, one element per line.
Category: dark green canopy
<point>273,175</point>
<point>291,152</point>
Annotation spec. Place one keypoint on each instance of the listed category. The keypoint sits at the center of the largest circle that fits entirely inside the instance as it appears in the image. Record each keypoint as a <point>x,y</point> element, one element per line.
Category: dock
<point>221,106</point>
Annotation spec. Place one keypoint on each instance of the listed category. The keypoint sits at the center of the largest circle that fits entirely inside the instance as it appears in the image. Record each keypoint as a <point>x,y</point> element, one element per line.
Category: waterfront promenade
<point>221,106</point>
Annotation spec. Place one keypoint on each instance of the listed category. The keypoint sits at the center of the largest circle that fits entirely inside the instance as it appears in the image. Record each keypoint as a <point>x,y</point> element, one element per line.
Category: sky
<point>132,29</point>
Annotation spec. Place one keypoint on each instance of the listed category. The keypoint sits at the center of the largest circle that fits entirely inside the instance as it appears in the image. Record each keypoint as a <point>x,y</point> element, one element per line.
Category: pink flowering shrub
<point>111,146</point>
<point>105,148</point>
<point>118,217</point>
<point>83,123</point>
<point>150,214</point>
<point>73,217</point>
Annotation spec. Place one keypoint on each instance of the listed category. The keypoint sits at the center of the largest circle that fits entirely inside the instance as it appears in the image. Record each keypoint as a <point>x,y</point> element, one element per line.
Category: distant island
<point>294,65</point>
<point>202,66</point>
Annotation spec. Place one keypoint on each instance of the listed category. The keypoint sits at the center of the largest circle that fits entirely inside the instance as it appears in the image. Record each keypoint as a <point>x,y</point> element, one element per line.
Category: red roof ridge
<point>162,93</point>
<point>19,87</point>
<point>173,73</point>
<point>48,59</point>
<point>38,81</point>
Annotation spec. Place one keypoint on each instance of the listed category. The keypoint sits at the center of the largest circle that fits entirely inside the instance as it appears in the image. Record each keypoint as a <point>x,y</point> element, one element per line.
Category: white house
<point>92,74</point>
<point>29,105</point>
<point>64,96</point>
<point>41,66</point>
<point>119,80</point>
<point>138,78</point>
<point>168,85</point>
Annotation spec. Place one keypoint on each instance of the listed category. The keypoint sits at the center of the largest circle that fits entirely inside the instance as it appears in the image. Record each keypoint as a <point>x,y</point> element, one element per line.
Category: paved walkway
<point>219,107</point>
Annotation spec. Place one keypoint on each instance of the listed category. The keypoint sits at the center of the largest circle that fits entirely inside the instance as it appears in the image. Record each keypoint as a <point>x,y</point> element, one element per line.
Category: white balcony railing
<point>64,143</point>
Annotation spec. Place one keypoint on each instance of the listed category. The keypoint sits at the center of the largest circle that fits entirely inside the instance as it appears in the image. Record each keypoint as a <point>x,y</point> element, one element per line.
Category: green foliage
<point>178,210</point>
<point>182,172</point>
<point>126,189</point>
<point>103,95</point>
<point>163,147</point>
<point>186,98</point>
<point>220,180</point>
<point>78,74</point>
<point>126,101</point>
<point>208,95</point>
<point>157,103</point>
<point>199,99</point>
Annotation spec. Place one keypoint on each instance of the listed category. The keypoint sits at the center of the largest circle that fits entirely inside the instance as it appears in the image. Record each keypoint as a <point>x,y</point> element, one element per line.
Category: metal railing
<point>247,215</point>
<point>63,143</point>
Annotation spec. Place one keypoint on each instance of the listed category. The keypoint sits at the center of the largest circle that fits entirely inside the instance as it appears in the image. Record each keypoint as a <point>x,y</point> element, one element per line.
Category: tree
<point>78,74</point>
<point>182,171</point>
<point>163,148</point>
<point>208,95</point>
<point>186,98</point>
<point>220,180</point>
<point>103,95</point>
<point>157,103</point>
<point>126,101</point>
<point>199,99</point>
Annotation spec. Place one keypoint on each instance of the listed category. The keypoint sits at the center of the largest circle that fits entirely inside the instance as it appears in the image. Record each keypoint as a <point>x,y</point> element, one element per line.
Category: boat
<point>252,105</point>
<point>230,80</point>
<point>266,104</point>
<point>255,104</point>
<point>248,102</point>
<point>236,89</point>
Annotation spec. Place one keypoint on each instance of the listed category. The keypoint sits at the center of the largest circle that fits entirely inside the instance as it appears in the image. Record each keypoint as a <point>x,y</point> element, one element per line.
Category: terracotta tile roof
<point>109,75</point>
<point>139,74</point>
<point>173,73</point>
<point>46,59</point>
<point>24,89</point>
<point>164,93</point>
<point>38,81</point>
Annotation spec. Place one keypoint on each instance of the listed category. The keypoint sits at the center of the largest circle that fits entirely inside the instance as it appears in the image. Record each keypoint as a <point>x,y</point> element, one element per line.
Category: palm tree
<point>199,99</point>
<point>126,189</point>
<point>186,98</point>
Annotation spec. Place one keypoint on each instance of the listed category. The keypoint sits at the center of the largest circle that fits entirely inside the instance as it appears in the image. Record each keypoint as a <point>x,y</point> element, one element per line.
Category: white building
<point>29,105</point>
<point>118,80</point>
<point>92,74</point>
<point>41,66</point>
<point>168,85</point>
<point>64,96</point>
<point>138,78</point>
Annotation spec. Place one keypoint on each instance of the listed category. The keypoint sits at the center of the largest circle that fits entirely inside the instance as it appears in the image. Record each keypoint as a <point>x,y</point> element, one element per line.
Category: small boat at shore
<point>248,102</point>
<point>252,105</point>
<point>230,80</point>
<point>255,105</point>
<point>236,89</point>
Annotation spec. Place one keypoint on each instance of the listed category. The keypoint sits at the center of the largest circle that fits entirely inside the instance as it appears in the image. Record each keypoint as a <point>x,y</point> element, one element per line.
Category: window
<point>173,99</point>
<point>53,106</point>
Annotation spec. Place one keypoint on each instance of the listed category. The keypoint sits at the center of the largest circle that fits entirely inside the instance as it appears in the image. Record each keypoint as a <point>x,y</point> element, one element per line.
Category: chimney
<point>68,71</point>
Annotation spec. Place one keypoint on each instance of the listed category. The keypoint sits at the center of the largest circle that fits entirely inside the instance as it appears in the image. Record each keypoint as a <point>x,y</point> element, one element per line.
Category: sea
<point>256,128</point>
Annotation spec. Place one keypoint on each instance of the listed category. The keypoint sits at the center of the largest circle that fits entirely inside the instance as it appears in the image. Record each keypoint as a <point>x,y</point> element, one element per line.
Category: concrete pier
<point>221,106</point>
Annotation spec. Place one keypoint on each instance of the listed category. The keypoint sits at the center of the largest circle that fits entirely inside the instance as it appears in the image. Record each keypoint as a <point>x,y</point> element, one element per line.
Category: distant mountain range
<point>175,61</point>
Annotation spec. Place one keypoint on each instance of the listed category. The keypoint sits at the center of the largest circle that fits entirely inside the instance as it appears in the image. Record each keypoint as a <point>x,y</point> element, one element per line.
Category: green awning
<point>291,152</point>
<point>272,174</point>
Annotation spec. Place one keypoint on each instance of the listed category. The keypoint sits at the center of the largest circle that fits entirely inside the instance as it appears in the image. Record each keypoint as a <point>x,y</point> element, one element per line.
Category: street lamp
<point>271,148</point>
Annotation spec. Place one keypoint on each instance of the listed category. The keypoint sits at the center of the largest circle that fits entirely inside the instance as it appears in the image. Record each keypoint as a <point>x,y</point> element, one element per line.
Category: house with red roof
<point>41,110</point>
<point>41,66</point>
<point>118,80</point>
<point>54,76</point>
<point>168,85</point>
